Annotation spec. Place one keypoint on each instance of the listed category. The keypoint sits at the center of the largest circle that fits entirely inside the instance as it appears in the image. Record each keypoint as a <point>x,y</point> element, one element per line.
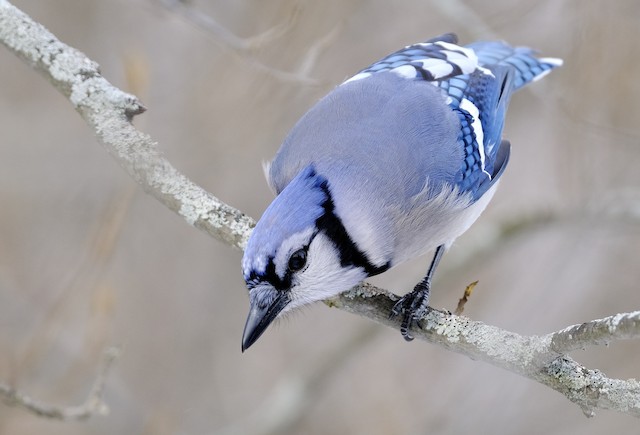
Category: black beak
<point>260,317</point>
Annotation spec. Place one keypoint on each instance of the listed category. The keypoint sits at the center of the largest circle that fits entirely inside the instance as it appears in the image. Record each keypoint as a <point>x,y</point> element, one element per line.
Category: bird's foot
<point>413,306</point>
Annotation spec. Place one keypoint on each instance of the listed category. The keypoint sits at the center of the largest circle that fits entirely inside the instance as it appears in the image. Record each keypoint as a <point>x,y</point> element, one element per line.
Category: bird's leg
<point>414,305</point>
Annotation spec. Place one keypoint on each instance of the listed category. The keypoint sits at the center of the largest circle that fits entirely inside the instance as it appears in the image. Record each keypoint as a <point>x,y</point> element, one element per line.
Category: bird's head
<point>298,253</point>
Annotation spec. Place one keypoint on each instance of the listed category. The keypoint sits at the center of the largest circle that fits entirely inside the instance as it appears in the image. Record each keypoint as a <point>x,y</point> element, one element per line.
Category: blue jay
<point>395,162</point>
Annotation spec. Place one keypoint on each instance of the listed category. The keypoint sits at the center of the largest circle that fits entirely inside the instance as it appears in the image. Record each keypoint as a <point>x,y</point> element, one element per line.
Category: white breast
<point>438,221</point>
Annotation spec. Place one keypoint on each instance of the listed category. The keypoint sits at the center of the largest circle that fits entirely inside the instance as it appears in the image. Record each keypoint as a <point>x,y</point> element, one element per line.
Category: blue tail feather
<point>522,59</point>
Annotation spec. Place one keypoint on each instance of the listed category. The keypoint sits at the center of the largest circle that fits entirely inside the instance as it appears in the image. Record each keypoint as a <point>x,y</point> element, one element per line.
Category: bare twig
<point>85,276</point>
<point>224,35</point>
<point>462,14</point>
<point>465,298</point>
<point>308,61</point>
<point>93,405</point>
<point>108,111</point>
<point>246,47</point>
<point>624,326</point>
<point>291,398</point>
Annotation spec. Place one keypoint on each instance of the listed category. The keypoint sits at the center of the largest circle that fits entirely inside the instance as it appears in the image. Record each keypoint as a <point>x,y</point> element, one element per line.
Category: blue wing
<point>477,81</point>
<point>436,59</point>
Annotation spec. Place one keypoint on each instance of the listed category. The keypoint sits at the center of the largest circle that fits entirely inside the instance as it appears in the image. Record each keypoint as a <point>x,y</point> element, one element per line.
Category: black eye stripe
<point>331,225</point>
<point>272,277</point>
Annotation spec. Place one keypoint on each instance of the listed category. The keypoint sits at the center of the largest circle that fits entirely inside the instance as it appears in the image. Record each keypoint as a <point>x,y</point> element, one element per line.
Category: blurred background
<point>87,260</point>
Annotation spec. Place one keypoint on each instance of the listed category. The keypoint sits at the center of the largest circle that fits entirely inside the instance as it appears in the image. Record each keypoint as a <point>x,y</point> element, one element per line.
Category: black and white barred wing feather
<point>437,59</point>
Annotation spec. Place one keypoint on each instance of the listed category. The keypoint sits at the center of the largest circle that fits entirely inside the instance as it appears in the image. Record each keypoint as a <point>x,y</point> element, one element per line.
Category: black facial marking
<point>271,277</point>
<point>332,226</point>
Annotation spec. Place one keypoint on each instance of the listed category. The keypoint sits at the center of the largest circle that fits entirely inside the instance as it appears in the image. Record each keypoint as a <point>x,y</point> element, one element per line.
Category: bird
<point>396,162</point>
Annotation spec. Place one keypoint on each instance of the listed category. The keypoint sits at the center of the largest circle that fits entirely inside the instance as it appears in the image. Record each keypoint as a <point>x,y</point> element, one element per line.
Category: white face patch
<point>476,125</point>
<point>323,277</point>
<point>288,247</point>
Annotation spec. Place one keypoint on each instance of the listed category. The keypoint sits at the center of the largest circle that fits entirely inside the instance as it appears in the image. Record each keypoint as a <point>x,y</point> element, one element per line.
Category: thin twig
<point>231,40</point>
<point>93,405</point>
<point>463,15</point>
<point>290,399</point>
<point>83,277</point>
<point>310,59</point>
<point>246,48</point>
<point>465,298</point>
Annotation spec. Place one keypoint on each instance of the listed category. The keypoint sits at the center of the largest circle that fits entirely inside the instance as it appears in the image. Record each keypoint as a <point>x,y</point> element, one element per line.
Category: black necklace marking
<point>332,226</point>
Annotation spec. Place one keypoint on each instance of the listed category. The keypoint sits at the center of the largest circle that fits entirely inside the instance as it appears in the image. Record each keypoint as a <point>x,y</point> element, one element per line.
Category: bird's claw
<point>413,306</point>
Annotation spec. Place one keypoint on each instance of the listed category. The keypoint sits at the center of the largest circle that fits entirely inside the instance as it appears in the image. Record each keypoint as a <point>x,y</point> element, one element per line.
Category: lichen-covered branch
<point>109,112</point>
<point>623,326</point>
<point>540,358</point>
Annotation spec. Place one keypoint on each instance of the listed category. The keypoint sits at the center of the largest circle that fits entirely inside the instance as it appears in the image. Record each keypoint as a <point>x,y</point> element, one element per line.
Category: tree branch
<point>624,326</point>
<point>539,358</point>
<point>109,112</point>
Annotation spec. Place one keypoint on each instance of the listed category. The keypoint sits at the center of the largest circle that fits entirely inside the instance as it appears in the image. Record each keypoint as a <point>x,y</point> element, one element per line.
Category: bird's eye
<point>298,260</point>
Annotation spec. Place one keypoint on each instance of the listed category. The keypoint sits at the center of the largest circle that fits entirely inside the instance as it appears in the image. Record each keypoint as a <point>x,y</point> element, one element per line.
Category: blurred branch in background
<point>92,405</point>
<point>226,37</point>
<point>247,48</point>
<point>460,12</point>
<point>290,400</point>
<point>109,112</point>
<point>86,276</point>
